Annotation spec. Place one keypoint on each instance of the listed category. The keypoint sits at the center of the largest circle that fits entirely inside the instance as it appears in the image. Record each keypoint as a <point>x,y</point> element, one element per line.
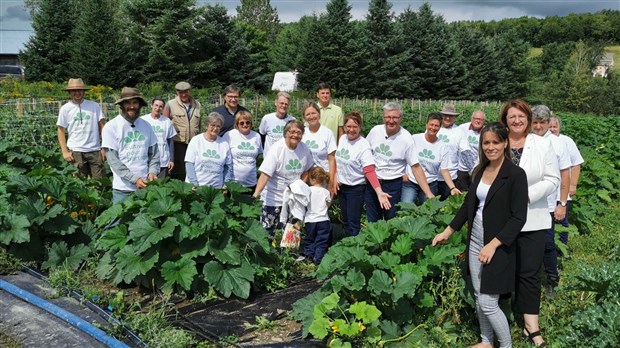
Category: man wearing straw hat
<point>82,121</point>
<point>131,147</point>
<point>450,134</point>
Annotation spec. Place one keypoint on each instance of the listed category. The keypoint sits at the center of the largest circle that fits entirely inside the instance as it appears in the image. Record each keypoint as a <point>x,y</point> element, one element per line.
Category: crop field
<point>383,288</point>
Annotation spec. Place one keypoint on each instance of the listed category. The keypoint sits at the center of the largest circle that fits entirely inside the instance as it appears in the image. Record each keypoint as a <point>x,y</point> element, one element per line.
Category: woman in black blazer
<point>495,210</point>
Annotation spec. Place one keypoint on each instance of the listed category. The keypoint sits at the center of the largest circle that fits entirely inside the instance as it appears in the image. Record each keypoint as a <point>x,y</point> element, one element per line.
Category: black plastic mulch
<point>224,318</point>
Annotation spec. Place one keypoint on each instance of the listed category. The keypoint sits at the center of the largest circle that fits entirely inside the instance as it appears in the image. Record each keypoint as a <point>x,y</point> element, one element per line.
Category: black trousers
<point>178,172</point>
<point>530,252</point>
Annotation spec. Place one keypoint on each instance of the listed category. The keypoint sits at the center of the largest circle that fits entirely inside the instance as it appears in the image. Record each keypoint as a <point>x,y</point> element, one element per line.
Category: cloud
<point>15,12</point>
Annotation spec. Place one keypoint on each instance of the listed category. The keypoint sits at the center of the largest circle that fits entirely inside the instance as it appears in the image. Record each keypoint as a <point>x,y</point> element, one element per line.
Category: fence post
<point>20,107</point>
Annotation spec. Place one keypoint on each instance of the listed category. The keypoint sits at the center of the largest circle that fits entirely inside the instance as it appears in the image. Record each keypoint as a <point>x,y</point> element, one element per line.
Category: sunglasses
<point>244,123</point>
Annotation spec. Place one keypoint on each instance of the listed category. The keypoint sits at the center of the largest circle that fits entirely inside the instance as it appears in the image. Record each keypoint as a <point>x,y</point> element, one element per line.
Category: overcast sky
<point>13,15</point>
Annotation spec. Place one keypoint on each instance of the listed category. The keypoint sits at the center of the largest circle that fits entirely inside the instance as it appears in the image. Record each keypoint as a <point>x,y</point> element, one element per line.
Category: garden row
<point>383,287</point>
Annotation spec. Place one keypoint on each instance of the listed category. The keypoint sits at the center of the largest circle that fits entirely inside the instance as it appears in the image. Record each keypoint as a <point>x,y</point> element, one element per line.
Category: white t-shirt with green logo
<point>432,156</point>
<point>82,125</point>
<point>351,158</point>
<point>244,149</point>
<point>284,166</point>
<point>132,145</point>
<point>272,127</point>
<point>164,130</point>
<point>392,154</point>
<point>468,148</point>
<point>452,137</point>
<point>321,144</point>
<point>209,159</point>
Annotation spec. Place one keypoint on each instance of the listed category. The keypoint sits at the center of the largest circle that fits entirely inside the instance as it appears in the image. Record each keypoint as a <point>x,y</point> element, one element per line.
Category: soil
<point>236,318</point>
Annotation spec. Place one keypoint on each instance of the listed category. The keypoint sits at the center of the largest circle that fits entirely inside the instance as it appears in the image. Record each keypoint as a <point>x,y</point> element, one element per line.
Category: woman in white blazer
<point>535,155</point>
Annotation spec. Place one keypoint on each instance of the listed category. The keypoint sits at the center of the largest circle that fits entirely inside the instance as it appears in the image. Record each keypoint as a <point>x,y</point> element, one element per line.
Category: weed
<point>262,324</point>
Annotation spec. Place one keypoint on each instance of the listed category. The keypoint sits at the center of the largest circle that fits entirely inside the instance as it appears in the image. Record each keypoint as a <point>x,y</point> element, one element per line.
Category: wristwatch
<point>562,203</point>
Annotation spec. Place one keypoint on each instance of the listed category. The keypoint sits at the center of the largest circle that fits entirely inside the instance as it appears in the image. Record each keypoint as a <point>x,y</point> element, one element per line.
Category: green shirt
<point>332,118</point>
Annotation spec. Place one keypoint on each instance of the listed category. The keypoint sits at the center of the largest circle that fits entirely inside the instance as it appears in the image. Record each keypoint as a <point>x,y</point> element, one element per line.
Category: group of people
<point>518,173</point>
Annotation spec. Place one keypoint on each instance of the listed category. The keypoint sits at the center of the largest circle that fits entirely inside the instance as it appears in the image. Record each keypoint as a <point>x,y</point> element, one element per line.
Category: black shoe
<point>529,337</point>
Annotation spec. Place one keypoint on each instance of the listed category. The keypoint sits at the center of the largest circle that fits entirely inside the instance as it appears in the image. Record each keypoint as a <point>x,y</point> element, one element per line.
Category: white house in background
<point>285,81</point>
<point>604,65</point>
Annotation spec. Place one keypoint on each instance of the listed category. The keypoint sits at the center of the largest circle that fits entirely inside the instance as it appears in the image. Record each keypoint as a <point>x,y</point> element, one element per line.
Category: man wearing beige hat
<point>79,124</point>
<point>131,147</point>
<point>184,112</point>
<point>450,134</point>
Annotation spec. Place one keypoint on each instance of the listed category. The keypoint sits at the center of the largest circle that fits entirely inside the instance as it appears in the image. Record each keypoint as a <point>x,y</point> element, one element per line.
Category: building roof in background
<point>12,41</point>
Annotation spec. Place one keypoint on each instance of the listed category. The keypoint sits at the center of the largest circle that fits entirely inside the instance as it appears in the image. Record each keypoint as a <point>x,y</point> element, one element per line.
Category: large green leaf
<point>14,229</point>
<point>402,245</point>
<point>406,284</point>
<point>145,231</point>
<point>257,233</point>
<point>355,280</point>
<point>365,312</point>
<point>181,272</point>
<point>112,213</point>
<point>61,256</point>
<point>379,282</point>
<point>113,238</point>
<point>229,280</point>
<point>443,254</point>
<point>163,203</point>
<point>130,264</point>
<point>225,251</point>
<point>377,232</point>
<point>187,229</point>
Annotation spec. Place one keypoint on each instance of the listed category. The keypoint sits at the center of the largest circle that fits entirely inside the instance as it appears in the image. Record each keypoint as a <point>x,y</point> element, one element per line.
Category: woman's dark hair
<point>435,116</point>
<point>502,133</point>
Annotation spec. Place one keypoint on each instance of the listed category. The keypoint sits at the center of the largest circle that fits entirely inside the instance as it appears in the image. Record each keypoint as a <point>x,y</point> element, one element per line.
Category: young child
<point>318,226</point>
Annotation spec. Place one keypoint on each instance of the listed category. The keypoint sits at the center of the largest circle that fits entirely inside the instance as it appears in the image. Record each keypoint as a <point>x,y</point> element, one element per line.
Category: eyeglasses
<point>244,123</point>
<point>392,118</point>
<point>232,96</point>
<point>295,132</point>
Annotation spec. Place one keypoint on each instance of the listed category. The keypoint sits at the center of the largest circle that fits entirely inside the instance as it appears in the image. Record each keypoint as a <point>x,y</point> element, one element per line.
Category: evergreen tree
<point>260,14</point>
<point>46,54</point>
<point>435,69</point>
<point>284,55</point>
<point>385,55</point>
<point>98,52</point>
<point>480,70</point>
<point>162,34</point>
<point>312,67</point>
<point>510,54</point>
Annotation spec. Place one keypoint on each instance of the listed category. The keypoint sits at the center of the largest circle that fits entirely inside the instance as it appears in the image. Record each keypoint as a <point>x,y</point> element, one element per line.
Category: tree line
<point>415,54</point>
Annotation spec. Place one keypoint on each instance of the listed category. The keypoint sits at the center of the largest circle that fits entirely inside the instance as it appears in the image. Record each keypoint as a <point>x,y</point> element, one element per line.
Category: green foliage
<point>182,239</point>
<point>390,266</point>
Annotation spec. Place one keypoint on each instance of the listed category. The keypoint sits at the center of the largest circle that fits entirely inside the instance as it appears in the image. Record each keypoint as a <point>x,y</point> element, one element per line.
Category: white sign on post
<point>285,81</point>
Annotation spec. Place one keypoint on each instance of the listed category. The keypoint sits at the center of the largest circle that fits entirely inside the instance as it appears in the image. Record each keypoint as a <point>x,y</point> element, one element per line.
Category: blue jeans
<point>550,259</point>
<point>373,208</point>
<point>119,196</point>
<point>351,207</point>
<point>318,237</point>
<point>412,193</point>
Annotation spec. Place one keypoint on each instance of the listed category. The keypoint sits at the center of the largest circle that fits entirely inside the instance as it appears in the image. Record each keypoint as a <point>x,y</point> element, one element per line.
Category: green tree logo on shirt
<point>278,129</point>
<point>444,138</point>
<point>133,137</point>
<point>312,144</point>
<point>293,164</point>
<point>157,129</point>
<point>211,154</point>
<point>384,150</point>
<point>81,116</point>
<point>343,153</point>
<point>245,145</point>
<point>472,140</point>
<point>426,153</point>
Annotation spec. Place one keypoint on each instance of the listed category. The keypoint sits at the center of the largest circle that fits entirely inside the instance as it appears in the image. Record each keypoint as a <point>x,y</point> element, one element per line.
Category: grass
<point>7,341</point>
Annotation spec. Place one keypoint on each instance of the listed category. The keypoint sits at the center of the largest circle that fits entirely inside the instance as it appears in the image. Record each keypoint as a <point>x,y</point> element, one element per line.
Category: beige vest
<point>186,129</point>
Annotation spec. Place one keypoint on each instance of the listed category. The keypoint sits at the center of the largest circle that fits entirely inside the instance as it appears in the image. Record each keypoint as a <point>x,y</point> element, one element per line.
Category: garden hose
<point>68,317</point>
<point>92,306</point>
